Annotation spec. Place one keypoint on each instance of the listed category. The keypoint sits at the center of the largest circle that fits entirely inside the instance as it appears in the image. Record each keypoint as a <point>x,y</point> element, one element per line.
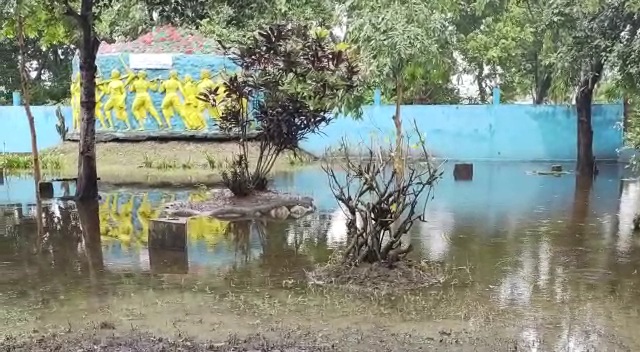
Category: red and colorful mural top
<point>166,39</point>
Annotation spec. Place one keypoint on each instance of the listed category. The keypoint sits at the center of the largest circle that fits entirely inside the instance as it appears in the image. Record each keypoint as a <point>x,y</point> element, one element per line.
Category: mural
<point>158,75</point>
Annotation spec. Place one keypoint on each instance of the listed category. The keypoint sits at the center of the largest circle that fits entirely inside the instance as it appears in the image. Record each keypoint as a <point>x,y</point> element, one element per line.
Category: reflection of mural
<point>125,217</point>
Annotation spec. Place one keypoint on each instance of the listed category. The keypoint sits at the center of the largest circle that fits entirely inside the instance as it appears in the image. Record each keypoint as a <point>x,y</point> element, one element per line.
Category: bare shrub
<point>381,203</point>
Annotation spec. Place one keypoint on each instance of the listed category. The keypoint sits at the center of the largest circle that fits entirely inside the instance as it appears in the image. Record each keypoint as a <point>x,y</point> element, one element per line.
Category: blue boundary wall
<point>15,136</point>
<point>509,132</point>
<point>456,132</point>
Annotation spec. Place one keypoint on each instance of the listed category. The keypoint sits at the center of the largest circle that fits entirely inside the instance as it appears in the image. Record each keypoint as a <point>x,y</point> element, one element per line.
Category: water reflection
<point>559,248</point>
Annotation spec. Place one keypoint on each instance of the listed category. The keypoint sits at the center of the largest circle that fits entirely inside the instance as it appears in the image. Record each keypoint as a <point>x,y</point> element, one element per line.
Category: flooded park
<point>524,261</point>
<point>309,176</point>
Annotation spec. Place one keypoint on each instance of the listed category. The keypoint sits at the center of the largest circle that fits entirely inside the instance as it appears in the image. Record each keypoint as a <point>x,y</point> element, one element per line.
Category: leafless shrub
<point>381,203</point>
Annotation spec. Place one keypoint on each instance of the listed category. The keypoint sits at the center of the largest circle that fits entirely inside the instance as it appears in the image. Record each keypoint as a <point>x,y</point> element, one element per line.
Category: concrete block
<point>463,172</point>
<point>168,234</point>
<point>45,189</point>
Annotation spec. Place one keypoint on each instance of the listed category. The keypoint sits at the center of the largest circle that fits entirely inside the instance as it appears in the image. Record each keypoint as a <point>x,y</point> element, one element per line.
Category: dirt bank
<point>105,339</point>
<point>158,163</point>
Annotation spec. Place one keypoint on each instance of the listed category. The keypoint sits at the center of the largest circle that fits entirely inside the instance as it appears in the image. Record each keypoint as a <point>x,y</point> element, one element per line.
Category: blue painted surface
<point>17,100</point>
<point>14,127</point>
<point>496,96</point>
<point>481,132</point>
<point>182,63</point>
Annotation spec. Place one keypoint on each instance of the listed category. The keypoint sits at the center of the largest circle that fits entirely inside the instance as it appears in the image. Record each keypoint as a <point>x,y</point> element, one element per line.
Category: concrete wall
<point>14,127</point>
<point>482,132</point>
<point>455,132</point>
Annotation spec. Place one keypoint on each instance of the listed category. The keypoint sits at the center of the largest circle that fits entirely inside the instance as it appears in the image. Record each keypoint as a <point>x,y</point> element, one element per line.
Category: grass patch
<point>159,164</point>
<point>48,161</point>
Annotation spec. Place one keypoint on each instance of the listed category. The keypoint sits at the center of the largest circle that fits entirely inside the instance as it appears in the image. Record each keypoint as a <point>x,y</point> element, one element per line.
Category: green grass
<point>48,161</point>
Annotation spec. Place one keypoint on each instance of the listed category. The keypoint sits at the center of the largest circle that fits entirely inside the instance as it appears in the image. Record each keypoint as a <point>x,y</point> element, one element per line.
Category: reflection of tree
<point>584,184</point>
<point>62,233</point>
<point>309,235</point>
<point>278,256</point>
<point>88,212</point>
<point>240,234</point>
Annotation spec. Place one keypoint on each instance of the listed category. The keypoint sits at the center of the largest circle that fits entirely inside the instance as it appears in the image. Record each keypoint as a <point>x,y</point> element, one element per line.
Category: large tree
<point>590,32</point>
<point>396,39</point>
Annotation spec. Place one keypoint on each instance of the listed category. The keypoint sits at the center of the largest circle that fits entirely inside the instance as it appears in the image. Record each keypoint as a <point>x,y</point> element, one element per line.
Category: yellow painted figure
<point>75,101</point>
<point>101,89</point>
<point>171,102</point>
<point>142,103</point>
<point>192,116</point>
<point>118,97</point>
<point>207,83</point>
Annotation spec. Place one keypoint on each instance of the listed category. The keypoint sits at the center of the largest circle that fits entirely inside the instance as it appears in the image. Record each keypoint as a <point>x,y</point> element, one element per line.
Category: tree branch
<point>69,11</point>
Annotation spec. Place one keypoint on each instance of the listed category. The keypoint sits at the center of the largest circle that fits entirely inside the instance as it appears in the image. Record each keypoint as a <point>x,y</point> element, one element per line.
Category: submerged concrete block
<point>463,172</point>
<point>45,189</point>
<point>168,234</point>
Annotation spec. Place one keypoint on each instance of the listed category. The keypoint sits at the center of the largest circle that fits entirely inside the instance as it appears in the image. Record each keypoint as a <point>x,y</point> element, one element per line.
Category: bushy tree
<point>297,79</point>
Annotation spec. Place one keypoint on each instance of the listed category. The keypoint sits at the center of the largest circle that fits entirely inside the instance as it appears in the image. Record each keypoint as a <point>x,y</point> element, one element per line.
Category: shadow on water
<point>558,251</point>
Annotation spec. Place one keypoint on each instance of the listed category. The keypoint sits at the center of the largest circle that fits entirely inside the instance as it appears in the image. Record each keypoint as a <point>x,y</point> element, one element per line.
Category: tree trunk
<point>87,187</point>
<point>480,81</point>
<point>397,121</point>
<point>584,98</point>
<point>542,89</point>
<point>26,97</point>
<point>625,114</point>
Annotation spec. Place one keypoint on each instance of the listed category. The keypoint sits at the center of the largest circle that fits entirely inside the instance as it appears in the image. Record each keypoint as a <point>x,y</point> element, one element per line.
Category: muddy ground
<point>107,338</point>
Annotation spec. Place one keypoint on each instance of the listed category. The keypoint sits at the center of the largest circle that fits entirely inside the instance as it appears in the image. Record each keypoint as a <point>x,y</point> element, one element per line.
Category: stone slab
<point>223,205</point>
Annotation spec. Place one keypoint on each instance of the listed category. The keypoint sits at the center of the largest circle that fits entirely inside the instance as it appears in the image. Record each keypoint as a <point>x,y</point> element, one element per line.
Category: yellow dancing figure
<point>142,104</point>
<point>171,102</point>
<point>192,117</point>
<point>118,97</point>
<point>205,84</point>
<point>101,90</point>
<point>75,101</point>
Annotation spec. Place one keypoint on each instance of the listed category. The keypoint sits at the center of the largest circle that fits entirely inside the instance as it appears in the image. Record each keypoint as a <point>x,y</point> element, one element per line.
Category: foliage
<point>297,77</point>
<point>380,203</point>
<point>47,52</point>
<point>397,39</point>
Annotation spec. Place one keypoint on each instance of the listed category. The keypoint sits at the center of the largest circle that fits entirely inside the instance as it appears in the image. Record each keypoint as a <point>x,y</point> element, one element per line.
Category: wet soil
<point>378,277</point>
<point>284,340</point>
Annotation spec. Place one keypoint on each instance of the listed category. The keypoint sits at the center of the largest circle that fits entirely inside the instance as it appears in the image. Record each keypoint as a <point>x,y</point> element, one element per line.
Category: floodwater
<point>552,261</point>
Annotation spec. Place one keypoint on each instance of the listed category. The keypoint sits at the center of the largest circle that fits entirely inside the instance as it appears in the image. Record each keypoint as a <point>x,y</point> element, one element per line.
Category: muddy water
<point>551,262</point>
